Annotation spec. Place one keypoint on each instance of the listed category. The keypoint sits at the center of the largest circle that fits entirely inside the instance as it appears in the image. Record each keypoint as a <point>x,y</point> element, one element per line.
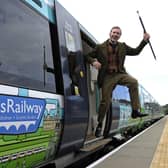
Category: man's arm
<point>138,49</point>
<point>91,58</point>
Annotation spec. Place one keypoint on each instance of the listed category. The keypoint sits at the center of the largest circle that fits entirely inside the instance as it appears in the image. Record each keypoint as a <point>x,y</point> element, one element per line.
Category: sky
<point>99,16</point>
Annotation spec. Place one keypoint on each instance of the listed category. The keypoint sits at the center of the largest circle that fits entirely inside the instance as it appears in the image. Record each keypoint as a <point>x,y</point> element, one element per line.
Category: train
<point>49,96</point>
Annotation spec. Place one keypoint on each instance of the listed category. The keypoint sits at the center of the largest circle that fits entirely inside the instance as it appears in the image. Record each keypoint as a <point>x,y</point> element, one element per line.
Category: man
<point>109,58</point>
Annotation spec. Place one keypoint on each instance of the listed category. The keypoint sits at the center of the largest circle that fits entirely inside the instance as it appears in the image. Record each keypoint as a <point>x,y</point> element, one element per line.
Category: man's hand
<point>96,64</point>
<point>146,37</point>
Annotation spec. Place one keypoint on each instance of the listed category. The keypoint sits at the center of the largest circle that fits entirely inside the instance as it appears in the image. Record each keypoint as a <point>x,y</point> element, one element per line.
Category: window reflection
<point>74,66</point>
<point>23,34</point>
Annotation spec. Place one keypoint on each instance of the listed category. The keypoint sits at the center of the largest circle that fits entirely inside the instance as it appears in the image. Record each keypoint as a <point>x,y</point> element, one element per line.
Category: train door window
<point>87,45</point>
<point>74,66</point>
<point>25,41</point>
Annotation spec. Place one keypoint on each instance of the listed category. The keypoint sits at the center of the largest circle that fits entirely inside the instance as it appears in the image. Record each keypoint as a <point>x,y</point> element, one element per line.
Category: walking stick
<point>145,32</point>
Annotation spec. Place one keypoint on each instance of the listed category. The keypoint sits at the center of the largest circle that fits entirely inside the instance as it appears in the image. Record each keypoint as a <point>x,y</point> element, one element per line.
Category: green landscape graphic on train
<point>29,129</point>
<point>44,7</point>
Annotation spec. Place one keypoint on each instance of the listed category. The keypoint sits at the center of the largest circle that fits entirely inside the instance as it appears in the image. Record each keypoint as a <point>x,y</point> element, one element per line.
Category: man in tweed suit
<point>109,58</point>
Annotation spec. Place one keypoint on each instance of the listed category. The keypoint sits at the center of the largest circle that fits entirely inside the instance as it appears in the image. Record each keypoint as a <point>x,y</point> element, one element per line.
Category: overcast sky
<point>98,16</point>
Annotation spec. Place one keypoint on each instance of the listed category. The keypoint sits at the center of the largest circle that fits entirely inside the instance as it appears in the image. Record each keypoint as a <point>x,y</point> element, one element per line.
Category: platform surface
<point>147,150</point>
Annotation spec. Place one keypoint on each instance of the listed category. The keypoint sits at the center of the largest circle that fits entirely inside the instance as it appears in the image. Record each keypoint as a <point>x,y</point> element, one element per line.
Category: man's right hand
<point>96,64</point>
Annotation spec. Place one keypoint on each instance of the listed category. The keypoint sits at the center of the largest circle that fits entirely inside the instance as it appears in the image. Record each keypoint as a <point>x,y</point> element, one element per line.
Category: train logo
<point>20,115</point>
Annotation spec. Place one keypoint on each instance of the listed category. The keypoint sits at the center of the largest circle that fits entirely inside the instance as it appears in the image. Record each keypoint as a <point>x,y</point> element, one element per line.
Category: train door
<point>94,93</point>
<point>111,120</point>
<point>74,78</point>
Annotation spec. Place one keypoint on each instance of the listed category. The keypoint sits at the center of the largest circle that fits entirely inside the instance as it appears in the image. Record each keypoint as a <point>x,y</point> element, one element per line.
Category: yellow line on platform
<point>160,159</point>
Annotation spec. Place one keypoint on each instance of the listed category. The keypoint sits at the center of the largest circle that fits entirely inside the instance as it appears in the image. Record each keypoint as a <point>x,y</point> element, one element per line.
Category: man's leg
<point>107,89</point>
<point>132,84</point>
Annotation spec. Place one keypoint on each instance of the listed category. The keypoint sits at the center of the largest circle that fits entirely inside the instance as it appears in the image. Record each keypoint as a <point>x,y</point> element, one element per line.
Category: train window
<point>87,43</point>
<point>74,67</point>
<point>121,94</point>
<point>148,103</point>
<point>25,39</point>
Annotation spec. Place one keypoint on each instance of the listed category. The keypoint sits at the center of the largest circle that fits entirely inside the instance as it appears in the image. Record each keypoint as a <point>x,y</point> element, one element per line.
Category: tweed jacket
<point>100,53</point>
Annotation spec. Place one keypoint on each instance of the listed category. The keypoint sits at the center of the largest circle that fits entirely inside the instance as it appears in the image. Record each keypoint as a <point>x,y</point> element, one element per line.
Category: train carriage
<point>48,95</point>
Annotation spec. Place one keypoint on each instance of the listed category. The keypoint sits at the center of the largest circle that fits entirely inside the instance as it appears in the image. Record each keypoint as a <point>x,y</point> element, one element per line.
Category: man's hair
<point>116,27</point>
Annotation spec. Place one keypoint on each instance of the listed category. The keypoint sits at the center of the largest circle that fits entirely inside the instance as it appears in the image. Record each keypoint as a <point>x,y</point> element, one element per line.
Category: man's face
<point>115,34</point>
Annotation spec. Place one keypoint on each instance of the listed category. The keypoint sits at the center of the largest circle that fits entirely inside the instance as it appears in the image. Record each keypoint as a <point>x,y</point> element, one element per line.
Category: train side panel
<point>31,111</point>
<point>30,126</point>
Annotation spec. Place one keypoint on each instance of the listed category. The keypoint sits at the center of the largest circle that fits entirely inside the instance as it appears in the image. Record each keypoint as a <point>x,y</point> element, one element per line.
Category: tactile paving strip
<point>160,159</point>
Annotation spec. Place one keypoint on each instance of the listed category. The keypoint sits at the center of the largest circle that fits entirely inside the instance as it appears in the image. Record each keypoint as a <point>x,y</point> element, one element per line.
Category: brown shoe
<point>136,114</point>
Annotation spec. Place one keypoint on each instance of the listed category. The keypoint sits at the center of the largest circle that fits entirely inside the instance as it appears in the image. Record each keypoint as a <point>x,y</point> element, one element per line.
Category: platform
<point>149,149</point>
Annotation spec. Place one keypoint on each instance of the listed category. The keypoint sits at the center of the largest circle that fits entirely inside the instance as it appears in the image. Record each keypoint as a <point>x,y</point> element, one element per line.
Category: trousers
<point>109,84</point>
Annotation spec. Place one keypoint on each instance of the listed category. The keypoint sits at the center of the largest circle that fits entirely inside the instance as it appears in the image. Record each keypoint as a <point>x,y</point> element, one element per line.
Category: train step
<point>94,145</point>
